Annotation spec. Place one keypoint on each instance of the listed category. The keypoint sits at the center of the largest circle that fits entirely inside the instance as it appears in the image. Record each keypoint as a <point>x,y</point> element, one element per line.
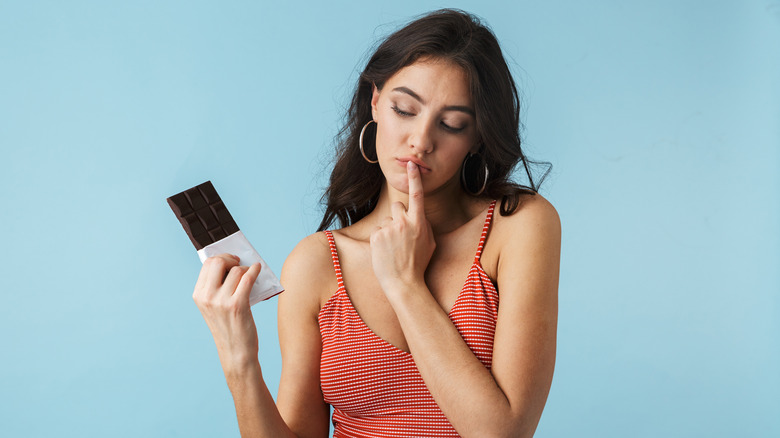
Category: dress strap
<point>485,229</point>
<point>335,256</point>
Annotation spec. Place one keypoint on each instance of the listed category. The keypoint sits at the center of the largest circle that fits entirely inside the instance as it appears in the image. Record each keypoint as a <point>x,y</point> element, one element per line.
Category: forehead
<point>434,80</point>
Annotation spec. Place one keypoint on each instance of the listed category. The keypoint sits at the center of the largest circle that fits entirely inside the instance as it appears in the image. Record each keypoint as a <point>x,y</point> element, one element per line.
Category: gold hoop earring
<point>363,131</point>
<point>463,175</point>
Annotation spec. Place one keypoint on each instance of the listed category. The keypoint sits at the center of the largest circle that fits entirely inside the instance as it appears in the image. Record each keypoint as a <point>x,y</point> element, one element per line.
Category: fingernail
<point>236,257</point>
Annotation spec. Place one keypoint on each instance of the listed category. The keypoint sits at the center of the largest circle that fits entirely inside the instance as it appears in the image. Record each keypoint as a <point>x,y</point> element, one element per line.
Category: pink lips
<point>419,163</point>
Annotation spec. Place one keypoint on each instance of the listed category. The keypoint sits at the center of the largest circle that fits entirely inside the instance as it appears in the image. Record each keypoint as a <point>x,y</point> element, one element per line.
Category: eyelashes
<point>446,127</point>
<point>401,112</point>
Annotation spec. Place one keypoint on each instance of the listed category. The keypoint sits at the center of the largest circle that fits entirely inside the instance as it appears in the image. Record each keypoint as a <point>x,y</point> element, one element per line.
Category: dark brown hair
<point>458,37</point>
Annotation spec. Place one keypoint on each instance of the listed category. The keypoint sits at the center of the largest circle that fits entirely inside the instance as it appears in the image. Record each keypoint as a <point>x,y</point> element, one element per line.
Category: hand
<point>402,247</point>
<point>222,295</point>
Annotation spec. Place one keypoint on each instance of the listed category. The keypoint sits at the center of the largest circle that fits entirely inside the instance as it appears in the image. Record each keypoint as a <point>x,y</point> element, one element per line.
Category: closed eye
<point>445,126</point>
<point>452,128</point>
<point>401,112</point>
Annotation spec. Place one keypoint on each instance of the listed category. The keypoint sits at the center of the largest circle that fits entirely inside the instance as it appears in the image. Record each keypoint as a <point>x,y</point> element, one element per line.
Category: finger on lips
<point>415,189</point>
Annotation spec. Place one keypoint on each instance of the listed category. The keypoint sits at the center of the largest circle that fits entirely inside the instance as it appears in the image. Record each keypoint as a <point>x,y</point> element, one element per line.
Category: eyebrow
<point>417,97</point>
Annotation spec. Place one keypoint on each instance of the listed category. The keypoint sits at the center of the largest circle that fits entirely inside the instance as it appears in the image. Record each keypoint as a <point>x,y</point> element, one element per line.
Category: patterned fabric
<point>375,388</point>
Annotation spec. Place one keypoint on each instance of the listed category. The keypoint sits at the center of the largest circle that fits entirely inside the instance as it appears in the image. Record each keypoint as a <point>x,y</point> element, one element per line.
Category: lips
<point>420,164</point>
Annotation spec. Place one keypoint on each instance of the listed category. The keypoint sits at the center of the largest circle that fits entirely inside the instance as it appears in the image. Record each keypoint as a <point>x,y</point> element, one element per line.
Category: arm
<point>509,399</point>
<point>307,276</point>
<point>225,307</point>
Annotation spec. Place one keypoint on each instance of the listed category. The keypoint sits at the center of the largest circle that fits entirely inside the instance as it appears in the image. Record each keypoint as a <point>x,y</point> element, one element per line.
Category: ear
<point>476,148</point>
<point>374,100</point>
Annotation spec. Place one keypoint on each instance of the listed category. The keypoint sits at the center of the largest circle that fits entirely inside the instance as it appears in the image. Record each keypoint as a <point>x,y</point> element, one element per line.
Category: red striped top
<point>375,388</point>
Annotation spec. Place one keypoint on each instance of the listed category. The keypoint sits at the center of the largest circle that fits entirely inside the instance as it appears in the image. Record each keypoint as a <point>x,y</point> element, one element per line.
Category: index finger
<point>218,267</point>
<point>415,190</point>
<point>204,270</point>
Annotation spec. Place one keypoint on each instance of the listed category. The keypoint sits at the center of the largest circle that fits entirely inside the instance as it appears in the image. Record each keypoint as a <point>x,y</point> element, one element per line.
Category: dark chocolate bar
<point>203,215</point>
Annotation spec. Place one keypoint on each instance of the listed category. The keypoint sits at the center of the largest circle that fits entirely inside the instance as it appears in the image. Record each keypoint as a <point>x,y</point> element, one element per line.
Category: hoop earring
<point>363,131</point>
<point>463,175</point>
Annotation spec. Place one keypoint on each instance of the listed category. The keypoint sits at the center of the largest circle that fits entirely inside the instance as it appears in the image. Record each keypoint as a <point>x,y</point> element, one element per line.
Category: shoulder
<point>534,217</point>
<point>308,270</point>
<point>309,249</point>
<point>527,239</point>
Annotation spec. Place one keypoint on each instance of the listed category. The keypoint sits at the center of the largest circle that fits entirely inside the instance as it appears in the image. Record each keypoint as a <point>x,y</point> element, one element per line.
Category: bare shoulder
<point>528,237</point>
<point>534,218</point>
<point>308,272</point>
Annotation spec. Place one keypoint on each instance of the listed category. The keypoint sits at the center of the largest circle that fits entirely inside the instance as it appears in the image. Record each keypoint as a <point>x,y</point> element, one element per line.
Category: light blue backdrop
<point>662,120</point>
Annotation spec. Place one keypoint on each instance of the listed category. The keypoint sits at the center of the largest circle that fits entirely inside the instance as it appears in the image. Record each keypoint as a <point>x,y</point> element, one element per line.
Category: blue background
<point>662,120</point>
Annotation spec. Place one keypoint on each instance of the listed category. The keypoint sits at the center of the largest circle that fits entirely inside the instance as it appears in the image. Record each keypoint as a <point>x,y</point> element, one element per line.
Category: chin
<point>399,184</point>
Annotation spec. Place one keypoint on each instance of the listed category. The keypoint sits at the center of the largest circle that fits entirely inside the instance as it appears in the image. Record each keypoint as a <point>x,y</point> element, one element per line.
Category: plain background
<point>662,121</point>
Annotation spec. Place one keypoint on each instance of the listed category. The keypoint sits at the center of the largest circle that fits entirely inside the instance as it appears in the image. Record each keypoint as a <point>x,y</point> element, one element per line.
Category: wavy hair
<point>460,38</point>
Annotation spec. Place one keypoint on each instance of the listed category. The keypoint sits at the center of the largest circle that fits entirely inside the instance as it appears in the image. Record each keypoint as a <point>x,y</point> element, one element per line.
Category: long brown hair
<point>458,37</point>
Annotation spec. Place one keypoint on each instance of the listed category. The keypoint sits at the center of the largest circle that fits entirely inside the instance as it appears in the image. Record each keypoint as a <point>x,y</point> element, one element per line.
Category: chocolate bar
<point>203,215</point>
<point>213,231</point>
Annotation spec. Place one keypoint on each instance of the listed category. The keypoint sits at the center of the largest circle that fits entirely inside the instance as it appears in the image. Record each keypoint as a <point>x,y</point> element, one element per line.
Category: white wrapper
<point>266,285</point>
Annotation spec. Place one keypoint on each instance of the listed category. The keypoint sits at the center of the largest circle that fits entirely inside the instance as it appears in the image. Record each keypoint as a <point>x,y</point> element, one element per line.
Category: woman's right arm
<point>224,304</point>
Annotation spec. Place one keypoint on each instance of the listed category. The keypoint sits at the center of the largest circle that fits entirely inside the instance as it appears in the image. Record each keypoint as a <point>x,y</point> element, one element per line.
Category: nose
<point>421,138</point>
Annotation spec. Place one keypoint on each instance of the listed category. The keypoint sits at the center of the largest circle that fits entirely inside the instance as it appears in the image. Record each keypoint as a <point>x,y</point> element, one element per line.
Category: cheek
<point>457,150</point>
<point>388,134</point>
<point>453,168</point>
<point>455,165</point>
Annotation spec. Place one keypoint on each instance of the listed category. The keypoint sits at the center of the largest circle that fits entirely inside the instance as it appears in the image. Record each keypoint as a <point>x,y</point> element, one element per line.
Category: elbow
<point>508,427</point>
<point>518,432</point>
<point>514,425</point>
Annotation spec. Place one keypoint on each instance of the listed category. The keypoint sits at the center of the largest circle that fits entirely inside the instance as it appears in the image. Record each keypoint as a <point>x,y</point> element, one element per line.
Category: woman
<point>394,319</point>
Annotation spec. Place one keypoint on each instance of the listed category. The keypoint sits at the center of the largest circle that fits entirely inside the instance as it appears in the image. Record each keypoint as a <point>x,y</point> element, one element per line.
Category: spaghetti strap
<point>485,229</point>
<point>335,256</point>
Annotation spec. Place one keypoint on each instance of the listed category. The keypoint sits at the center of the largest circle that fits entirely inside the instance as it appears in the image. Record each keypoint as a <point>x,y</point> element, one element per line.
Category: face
<point>424,113</point>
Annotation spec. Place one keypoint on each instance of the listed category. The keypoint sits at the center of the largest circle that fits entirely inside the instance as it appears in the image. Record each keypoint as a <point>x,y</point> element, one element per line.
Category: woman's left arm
<point>508,399</point>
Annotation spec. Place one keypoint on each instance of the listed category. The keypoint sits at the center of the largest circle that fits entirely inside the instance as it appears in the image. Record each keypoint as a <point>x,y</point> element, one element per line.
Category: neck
<point>446,209</point>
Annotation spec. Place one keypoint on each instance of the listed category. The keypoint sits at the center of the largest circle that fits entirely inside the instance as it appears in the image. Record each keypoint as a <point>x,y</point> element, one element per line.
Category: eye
<point>452,129</point>
<point>401,112</point>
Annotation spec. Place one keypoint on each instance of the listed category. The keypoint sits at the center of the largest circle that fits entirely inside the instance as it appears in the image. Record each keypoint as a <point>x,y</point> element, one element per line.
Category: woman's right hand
<point>222,295</point>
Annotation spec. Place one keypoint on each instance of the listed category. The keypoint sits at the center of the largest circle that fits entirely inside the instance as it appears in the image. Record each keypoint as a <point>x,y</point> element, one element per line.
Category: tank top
<point>375,388</point>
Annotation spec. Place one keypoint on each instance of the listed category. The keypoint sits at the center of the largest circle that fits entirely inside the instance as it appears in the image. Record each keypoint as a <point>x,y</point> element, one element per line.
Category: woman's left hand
<point>402,247</point>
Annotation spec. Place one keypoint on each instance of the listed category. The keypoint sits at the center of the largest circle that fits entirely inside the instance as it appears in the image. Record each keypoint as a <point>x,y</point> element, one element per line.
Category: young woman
<point>394,319</point>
